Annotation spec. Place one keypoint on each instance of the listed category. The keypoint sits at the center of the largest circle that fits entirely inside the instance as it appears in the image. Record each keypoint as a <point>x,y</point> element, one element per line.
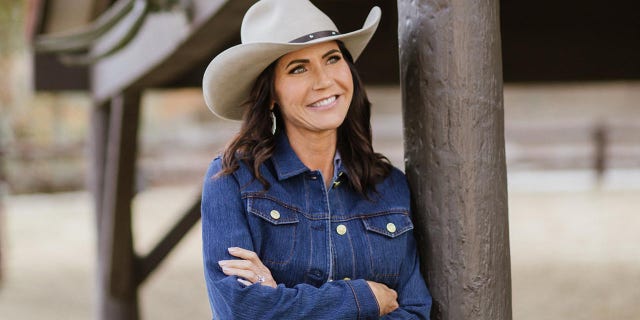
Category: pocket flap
<point>391,225</point>
<point>272,211</point>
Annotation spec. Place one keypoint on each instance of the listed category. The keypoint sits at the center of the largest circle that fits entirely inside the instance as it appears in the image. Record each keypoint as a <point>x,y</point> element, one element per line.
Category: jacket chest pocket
<point>274,227</point>
<point>386,236</point>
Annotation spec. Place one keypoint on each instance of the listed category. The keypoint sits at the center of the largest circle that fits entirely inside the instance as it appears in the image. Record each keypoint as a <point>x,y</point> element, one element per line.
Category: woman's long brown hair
<point>254,144</point>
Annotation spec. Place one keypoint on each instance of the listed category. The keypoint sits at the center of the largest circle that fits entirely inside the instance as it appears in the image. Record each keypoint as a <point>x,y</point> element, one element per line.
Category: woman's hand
<point>387,298</point>
<point>250,269</point>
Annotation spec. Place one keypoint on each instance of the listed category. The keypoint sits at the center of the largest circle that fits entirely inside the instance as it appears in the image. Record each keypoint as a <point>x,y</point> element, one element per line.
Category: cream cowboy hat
<point>270,29</point>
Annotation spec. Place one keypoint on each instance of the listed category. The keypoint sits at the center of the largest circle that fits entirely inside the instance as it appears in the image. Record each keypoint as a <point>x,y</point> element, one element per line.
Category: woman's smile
<point>325,103</point>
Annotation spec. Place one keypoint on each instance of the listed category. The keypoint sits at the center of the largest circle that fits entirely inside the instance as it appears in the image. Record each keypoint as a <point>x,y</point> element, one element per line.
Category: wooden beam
<point>451,77</point>
<point>57,17</point>
<point>98,7</point>
<point>152,60</point>
<point>113,152</point>
<point>117,289</point>
<point>98,141</point>
<point>150,262</point>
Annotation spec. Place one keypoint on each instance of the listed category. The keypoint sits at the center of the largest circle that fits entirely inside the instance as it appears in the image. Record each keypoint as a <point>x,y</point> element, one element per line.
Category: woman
<point>301,219</point>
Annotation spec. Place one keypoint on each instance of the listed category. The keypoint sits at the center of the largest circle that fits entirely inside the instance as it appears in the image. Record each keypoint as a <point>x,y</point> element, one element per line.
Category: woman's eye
<point>333,59</point>
<point>297,70</point>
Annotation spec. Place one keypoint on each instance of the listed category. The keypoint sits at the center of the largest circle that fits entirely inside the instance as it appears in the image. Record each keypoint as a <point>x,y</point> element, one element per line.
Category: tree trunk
<point>451,77</point>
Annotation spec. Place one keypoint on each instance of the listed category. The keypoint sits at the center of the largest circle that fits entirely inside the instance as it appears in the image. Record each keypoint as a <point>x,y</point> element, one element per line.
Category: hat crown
<point>281,21</point>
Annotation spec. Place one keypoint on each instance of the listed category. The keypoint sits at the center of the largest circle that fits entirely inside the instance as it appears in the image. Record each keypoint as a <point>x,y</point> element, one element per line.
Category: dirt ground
<point>575,245</point>
<point>575,255</point>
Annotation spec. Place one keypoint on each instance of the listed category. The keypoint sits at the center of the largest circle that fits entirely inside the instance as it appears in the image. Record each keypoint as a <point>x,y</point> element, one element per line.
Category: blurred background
<point>572,128</point>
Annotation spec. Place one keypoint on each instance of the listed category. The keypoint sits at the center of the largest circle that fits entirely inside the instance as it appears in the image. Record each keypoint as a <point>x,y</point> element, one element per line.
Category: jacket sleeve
<point>224,225</point>
<point>413,296</point>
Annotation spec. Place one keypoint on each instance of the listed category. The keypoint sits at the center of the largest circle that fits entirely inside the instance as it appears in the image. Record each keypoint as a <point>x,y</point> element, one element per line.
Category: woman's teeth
<point>324,102</point>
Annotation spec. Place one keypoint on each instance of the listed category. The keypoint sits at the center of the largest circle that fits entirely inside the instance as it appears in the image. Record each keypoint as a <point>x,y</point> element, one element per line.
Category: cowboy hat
<point>271,29</point>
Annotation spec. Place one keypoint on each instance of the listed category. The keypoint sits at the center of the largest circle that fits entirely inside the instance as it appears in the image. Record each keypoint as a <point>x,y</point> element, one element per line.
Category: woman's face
<point>314,88</point>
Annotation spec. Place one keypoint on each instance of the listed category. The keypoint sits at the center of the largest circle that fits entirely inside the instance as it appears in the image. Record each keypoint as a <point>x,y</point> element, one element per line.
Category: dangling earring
<point>273,123</point>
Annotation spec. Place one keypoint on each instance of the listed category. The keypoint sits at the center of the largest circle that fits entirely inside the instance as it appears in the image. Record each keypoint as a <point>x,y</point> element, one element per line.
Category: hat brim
<point>230,76</point>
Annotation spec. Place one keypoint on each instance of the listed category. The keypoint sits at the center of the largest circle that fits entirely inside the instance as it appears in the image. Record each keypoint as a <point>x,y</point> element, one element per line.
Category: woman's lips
<point>324,103</point>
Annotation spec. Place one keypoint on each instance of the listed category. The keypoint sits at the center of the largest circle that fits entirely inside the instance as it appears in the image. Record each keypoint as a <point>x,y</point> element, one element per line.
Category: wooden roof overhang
<point>167,46</point>
<point>541,41</point>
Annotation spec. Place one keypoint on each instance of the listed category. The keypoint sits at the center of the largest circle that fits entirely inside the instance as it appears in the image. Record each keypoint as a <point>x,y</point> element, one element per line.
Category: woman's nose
<point>323,80</point>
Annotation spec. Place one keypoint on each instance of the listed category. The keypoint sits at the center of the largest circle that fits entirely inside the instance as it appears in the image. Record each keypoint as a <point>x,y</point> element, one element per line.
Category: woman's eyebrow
<point>297,61</point>
<point>332,51</point>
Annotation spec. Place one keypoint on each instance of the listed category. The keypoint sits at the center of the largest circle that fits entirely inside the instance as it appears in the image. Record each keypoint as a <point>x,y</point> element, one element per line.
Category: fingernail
<point>244,282</point>
<point>233,249</point>
<point>222,262</point>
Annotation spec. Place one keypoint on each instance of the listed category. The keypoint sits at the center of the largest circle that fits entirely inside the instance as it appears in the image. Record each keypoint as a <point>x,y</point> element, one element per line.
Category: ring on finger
<point>261,279</point>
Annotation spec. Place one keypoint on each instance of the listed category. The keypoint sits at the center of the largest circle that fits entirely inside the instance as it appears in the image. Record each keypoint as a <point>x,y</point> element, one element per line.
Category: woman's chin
<point>329,125</point>
<point>328,119</point>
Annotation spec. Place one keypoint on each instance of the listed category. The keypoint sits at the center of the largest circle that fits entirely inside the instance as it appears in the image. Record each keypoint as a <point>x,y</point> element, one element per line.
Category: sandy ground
<point>575,244</point>
<point>575,255</point>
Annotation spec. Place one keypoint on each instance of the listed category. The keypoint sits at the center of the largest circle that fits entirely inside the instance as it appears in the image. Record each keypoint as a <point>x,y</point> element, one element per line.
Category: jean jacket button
<point>391,227</point>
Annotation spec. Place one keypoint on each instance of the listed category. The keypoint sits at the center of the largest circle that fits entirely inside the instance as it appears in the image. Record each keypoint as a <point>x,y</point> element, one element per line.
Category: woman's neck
<point>316,150</point>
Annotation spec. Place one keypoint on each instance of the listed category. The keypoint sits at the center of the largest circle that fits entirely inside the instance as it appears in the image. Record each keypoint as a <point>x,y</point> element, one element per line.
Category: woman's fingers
<point>387,298</point>
<point>251,276</point>
<point>244,254</point>
<point>248,267</point>
<point>246,274</point>
<point>238,264</point>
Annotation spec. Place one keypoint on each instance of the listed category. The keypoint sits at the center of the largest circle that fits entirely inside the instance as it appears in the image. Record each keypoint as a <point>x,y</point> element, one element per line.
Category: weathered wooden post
<point>114,157</point>
<point>451,76</point>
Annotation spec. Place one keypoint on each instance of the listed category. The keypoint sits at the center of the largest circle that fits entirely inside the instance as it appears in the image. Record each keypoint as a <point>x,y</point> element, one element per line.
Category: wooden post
<point>100,115</point>
<point>600,140</point>
<point>451,77</point>
<point>117,286</point>
<point>2,214</point>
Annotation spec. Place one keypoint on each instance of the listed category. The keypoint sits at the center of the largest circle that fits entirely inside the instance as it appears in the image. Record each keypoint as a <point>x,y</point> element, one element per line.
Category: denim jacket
<point>320,244</point>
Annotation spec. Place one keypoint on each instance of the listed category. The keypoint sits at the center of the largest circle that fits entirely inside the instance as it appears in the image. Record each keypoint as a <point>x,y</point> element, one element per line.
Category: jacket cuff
<point>365,300</point>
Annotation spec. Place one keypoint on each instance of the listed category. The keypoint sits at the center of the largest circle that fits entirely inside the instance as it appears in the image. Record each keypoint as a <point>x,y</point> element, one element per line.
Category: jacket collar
<point>286,161</point>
